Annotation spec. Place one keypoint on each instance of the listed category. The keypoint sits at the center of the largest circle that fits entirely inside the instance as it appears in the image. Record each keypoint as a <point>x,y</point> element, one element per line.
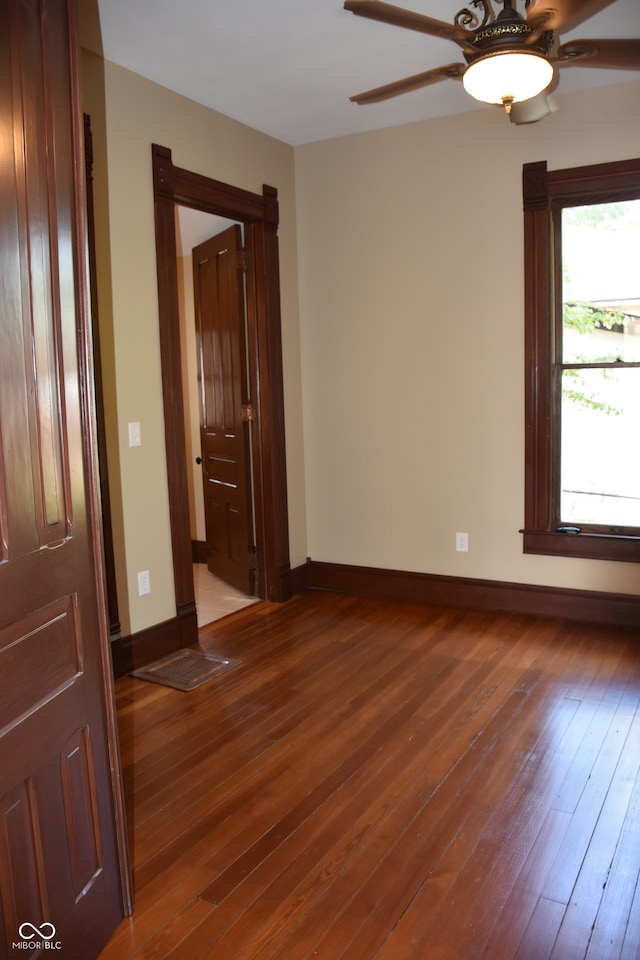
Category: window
<point>582,356</point>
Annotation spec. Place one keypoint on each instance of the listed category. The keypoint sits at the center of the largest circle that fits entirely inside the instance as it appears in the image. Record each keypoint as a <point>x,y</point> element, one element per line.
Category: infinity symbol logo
<point>37,931</point>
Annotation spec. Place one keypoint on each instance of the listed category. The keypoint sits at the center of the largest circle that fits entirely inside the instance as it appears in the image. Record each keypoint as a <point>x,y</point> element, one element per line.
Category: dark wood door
<point>218,272</point>
<point>60,877</point>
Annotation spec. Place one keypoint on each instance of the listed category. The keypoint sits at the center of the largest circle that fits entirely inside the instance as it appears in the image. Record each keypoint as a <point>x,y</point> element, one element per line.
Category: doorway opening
<point>258,215</point>
<point>217,397</point>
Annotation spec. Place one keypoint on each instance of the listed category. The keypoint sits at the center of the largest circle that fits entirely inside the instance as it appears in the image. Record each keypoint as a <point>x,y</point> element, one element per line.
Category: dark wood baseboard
<point>139,649</point>
<point>606,608</point>
<point>299,579</point>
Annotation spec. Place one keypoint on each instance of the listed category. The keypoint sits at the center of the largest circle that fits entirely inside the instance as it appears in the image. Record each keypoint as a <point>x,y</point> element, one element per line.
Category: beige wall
<point>411,302</point>
<point>138,113</point>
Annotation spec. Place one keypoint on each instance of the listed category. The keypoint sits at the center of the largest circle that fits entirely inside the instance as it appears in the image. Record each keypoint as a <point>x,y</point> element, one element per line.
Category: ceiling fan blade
<point>451,71</point>
<point>399,17</point>
<point>612,54</point>
<point>562,14</point>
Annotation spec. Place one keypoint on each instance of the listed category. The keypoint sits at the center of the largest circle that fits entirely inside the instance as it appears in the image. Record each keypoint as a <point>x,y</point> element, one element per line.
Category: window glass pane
<point>600,458</point>
<point>601,282</point>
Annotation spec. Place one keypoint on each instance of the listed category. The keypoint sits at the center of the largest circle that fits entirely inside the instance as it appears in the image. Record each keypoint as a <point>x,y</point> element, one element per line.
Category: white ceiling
<point>196,226</point>
<point>288,67</point>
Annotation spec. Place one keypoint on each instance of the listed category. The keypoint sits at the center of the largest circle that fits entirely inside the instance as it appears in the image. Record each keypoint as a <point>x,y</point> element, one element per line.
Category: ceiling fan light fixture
<point>507,77</point>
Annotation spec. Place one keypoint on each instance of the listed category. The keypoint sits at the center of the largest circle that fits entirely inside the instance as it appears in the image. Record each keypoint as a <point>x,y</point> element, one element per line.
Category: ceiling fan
<point>510,58</point>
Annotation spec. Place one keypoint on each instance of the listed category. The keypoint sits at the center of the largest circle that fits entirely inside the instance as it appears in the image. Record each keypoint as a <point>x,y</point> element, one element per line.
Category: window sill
<point>589,546</point>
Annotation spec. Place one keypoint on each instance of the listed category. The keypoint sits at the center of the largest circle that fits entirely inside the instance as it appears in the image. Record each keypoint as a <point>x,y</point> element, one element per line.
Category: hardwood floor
<point>391,781</point>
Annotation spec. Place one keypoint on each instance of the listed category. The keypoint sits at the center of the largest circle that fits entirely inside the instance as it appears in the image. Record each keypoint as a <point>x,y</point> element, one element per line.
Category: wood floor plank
<point>283,775</point>
<point>388,781</point>
<point>486,837</point>
<point>564,873</point>
<point>631,946</point>
<point>436,691</point>
<point>539,938</point>
<point>502,835</point>
<point>576,931</point>
<point>600,866</point>
<point>470,796</point>
<point>418,701</point>
<point>154,909</point>
<point>507,924</point>
<point>537,790</point>
<point>407,854</point>
<point>341,827</point>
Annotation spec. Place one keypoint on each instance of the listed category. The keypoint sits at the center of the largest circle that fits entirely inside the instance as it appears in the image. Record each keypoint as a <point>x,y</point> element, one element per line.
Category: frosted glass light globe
<point>507,77</point>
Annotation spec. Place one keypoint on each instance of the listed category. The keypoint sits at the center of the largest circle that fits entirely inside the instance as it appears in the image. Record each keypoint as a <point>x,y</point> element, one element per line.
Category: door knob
<point>198,459</point>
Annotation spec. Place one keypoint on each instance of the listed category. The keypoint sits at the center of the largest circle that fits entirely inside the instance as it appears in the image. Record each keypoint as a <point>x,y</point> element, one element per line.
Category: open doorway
<point>258,213</point>
<point>217,409</point>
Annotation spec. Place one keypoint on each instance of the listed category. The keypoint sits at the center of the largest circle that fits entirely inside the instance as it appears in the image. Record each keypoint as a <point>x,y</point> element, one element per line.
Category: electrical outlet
<point>144,583</point>
<point>462,542</point>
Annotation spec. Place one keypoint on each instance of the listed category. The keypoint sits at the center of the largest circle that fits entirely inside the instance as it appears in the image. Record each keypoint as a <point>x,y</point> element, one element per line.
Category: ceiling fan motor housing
<point>509,31</point>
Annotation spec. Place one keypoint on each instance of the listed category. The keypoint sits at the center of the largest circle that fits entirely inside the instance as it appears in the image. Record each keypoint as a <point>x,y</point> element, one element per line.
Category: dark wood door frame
<point>105,497</point>
<point>259,213</point>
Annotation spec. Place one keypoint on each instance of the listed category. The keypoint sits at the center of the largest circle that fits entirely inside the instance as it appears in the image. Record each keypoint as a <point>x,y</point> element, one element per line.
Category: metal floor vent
<point>185,670</point>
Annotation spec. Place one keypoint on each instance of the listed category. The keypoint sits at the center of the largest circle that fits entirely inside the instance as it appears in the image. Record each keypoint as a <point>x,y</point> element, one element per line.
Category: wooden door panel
<point>50,841</point>
<point>80,813</point>
<point>21,861</point>
<point>220,320</point>
<point>50,768</point>
<point>227,526</point>
<point>59,861</point>
<point>38,656</point>
<point>223,470</point>
<point>44,242</point>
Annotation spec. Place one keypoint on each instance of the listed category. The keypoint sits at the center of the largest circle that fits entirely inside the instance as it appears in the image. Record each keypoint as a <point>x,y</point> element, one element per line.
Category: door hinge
<point>243,260</point>
<point>248,413</point>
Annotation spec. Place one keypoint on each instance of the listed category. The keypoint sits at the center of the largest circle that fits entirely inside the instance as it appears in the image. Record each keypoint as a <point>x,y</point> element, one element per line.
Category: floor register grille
<point>185,669</point>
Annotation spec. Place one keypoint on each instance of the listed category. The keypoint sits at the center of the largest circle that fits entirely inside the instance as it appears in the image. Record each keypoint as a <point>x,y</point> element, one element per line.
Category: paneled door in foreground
<point>60,875</point>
